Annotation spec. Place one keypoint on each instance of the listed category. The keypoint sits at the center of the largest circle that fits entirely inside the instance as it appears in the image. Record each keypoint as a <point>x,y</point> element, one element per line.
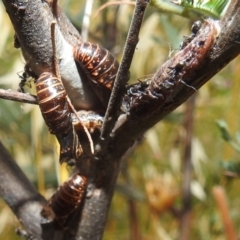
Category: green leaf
<point>223,127</point>
<point>213,8</point>
<point>166,7</point>
<point>231,166</point>
<point>130,192</point>
<point>227,136</point>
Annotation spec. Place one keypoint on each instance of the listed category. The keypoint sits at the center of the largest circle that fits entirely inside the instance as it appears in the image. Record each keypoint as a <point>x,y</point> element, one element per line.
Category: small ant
<point>195,28</point>
<point>26,78</point>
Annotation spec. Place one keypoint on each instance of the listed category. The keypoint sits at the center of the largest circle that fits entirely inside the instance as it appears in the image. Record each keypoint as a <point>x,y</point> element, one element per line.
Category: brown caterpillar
<point>56,112</point>
<point>99,65</point>
<point>67,198</point>
<point>52,101</point>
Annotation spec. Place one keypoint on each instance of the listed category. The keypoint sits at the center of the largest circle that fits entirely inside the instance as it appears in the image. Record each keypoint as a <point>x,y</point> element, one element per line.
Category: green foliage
<point>213,8</point>
<point>223,127</point>
<point>231,166</point>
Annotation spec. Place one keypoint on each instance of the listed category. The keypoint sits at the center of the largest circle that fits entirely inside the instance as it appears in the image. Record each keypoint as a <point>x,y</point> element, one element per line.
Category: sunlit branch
<point>18,96</point>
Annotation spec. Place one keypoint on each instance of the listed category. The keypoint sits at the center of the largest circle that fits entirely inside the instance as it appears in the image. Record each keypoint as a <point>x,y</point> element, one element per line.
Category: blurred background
<point>149,199</point>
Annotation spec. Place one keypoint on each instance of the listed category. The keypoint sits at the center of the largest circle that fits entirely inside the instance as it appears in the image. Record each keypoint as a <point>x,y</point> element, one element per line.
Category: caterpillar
<point>56,112</point>
<point>99,65</point>
<point>67,199</point>
<point>52,101</point>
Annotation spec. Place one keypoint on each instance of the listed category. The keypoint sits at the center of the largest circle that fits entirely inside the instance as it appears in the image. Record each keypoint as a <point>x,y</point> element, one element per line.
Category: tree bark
<point>20,194</point>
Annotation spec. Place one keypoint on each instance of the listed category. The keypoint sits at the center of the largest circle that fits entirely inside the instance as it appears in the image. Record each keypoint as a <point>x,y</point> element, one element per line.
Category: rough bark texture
<point>20,194</point>
<point>216,44</point>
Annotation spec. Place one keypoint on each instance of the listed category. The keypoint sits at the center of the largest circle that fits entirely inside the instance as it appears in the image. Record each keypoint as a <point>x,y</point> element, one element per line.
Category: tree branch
<point>18,96</point>
<point>187,172</point>
<point>221,200</point>
<point>19,194</point>
<point>148,103</point>
<point>122,77</point>
<point>31,21</point>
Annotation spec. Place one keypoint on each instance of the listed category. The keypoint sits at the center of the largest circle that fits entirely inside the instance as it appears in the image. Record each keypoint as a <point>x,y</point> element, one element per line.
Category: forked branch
<point>122,77</point>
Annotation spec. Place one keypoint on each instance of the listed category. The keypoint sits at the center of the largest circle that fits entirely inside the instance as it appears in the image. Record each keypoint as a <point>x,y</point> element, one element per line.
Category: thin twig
<point>84,127</point>
<point>86,19</point>
<point>18,96</point>
<point>134,227</point>
<point>123,71</point>
<point>134,220</point>
<point>111,4</point>
<point>54,7</point>
<point>185,218</point>
<point>56,70</point>
<point>221,200</point>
